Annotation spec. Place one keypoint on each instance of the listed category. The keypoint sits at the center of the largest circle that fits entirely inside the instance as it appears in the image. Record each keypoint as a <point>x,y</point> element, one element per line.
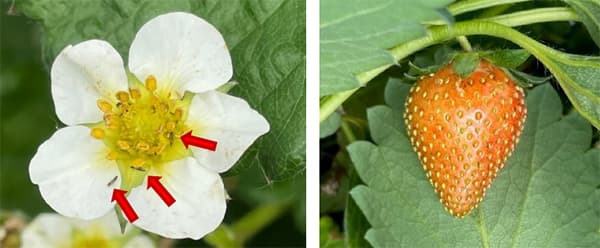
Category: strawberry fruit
<point>463,129</point>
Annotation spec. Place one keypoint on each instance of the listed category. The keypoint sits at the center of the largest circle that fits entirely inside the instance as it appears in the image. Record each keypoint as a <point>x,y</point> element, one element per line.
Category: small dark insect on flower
<point>112,181</point>
<point>137,168</point>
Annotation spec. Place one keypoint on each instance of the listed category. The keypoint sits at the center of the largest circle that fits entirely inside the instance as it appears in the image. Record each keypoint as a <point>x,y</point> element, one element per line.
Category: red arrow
<point>119,196</point>
<point>154,183</point>
<point>189,139</point>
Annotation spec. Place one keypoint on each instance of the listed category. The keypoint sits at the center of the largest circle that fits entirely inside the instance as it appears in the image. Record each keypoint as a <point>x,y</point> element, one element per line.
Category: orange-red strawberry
<point>463,130</point>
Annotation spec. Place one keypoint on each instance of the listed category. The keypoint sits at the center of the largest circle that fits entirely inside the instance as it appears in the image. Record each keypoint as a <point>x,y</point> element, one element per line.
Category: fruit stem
<point>464,43</point>
<point>330,103</point>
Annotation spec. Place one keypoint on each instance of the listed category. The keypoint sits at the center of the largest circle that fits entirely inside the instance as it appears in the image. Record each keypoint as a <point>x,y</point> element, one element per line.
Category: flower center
<point>142,127</point>
<point>82,241</point>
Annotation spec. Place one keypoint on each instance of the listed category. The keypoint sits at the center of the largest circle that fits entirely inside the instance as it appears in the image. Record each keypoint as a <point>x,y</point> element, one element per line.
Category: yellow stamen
<point>151,83</point>
<point>112,155</point>
<point>122,96</point>
<point>135,93</point>
<point>170,126</point>
<point>178,114</point>
<point>142,146</point>
<point>104,105</point>
<point>123,145</point>
<point>138,162</point>
<point>98,133</point>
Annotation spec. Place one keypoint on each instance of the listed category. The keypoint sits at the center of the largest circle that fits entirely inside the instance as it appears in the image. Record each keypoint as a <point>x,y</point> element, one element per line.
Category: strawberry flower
<point>124,125</point>
<point>53,230</point>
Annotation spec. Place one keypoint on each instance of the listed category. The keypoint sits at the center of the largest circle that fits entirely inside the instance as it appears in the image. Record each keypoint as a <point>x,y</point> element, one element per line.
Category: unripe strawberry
<point>463,129</point>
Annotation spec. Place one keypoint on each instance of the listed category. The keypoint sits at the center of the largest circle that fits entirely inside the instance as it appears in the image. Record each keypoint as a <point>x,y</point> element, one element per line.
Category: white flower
<point>52,230</point>
<point>124,127</point>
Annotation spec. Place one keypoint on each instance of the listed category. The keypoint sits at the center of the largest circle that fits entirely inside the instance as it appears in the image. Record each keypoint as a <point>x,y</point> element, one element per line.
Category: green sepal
<point>133,80</point>
<point>525,80</point>
<point>120,218</point>
<point>227,87</point>
<point>509,58</point>
<point>465,63</point>
<point>428,62</point>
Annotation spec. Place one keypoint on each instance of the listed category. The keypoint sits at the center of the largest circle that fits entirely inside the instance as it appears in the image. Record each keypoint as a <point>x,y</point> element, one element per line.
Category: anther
<point>151,83</point>
<point>170,126</point>
<point>98,133</point>
<point>104,106</point>
<point>123,145</point>
<point>143,146</point>
<point>122,96</point>
<point>138,162</point>
<point>112,155</point>
<point>123,107</point>
<point>135,93</point>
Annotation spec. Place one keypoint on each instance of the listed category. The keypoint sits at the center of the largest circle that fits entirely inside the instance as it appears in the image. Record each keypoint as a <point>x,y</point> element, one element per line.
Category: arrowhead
<point>185,138</point>
<point>153,181</point>
<point>118,194</point>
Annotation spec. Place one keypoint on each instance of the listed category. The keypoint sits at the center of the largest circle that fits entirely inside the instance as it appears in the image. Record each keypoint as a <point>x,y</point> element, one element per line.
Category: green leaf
<point>267,44</point>
<point>429,61</point>
<point>577,75</point>
<point>330,125</point>
<point>355,35</point>
<point>509,58</point>
<point>465,63</point>
<point>546,195</point>
<point>589,12</point>
<point>355,223</point>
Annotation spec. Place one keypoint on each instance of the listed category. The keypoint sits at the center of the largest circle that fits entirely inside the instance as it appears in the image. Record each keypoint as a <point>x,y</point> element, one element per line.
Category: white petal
<point>199,201</point>
<point>80,75</point>
<point>73,174</point>
<point>182,51</point>
<point>47,230</point>
<point>229,121</point>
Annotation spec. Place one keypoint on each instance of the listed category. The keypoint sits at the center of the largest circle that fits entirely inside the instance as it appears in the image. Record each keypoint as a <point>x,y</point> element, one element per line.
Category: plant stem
<point>467,6</point>
<point>347,130</point>
<point>330,103</point>
<point>246,227</point>
<point>525,17</point>
<point>464,43</point>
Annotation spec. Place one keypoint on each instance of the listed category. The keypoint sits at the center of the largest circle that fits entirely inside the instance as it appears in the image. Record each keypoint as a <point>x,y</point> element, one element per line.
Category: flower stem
<point>330,103</point>
<point>245,228</point>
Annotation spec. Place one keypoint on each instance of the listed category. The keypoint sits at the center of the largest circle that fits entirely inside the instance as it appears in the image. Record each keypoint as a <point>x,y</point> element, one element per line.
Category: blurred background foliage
<point>27,118</point>
<point>337,171</point>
